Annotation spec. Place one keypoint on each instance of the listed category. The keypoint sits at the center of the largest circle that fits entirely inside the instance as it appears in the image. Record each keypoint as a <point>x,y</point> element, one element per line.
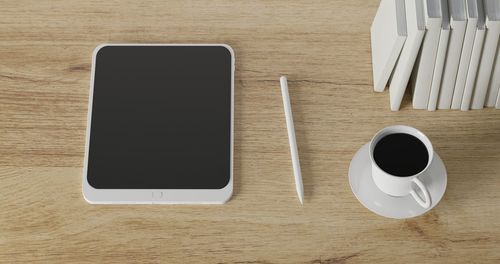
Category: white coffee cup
<point>397,185</point>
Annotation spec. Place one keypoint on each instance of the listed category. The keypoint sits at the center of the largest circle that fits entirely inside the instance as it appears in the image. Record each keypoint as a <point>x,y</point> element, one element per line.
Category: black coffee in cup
<point>401,154</point>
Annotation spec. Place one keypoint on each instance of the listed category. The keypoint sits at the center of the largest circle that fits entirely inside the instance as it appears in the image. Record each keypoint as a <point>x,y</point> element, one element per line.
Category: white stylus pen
<point>291,138</point>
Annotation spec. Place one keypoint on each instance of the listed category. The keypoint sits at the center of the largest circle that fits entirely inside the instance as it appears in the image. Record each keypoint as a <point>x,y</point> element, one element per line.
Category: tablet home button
<point>157,195</point>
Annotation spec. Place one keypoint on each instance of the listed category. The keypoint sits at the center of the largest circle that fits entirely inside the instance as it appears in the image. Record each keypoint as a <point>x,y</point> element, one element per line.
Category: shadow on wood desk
<point>323,47</point>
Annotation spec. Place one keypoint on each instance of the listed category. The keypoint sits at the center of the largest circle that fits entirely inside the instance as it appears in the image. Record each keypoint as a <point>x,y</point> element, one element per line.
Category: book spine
<point>494,84</point>
<point>486,64</point>
<point>457,35</point>
<point>473,66</point>
<point>463,67</point>
<point>438,69</point>
<point>426,63</point>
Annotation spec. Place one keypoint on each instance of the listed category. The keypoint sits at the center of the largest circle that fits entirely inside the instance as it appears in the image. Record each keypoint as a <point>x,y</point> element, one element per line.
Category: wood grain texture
<point>323,47</point>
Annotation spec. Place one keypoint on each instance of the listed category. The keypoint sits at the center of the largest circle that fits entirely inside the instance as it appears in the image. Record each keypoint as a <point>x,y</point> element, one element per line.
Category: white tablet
<point>160,124</point>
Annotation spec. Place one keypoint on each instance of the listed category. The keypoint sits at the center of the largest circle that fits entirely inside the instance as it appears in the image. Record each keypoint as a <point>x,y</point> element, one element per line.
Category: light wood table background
<point>324,49</point>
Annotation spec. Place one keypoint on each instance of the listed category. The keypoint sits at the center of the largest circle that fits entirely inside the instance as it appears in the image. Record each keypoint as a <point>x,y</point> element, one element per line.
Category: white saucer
<point>369,195</point>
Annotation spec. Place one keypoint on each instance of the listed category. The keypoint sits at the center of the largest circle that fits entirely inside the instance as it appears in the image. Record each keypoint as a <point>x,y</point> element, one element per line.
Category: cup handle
<point>425,204</point>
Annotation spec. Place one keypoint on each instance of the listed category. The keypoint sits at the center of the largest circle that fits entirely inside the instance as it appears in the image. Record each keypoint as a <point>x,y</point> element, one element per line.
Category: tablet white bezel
<point>156,196</point>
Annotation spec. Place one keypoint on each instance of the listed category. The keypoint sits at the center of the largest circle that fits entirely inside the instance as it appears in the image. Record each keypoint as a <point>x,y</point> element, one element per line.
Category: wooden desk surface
<point>324,48</point>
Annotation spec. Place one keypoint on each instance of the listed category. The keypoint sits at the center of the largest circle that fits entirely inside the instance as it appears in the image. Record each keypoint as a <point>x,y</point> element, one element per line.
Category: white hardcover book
<point>477,49</point>
<point>388,34</point>
<point>444,37</point>
<point>463,67</point>
<point>427,58</point>
<point>493,10</point>
<point>494,92</point>
<point>490,48</point>
<point>497,105</point>
<point>416,31</point>
<point>458,23</point>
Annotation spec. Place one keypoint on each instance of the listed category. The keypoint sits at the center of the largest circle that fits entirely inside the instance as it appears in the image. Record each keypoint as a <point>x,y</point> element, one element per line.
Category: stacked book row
<point>446,51</point>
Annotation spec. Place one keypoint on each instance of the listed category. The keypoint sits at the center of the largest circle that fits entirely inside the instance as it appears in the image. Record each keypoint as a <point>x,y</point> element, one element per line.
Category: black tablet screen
<point>161,118</point>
